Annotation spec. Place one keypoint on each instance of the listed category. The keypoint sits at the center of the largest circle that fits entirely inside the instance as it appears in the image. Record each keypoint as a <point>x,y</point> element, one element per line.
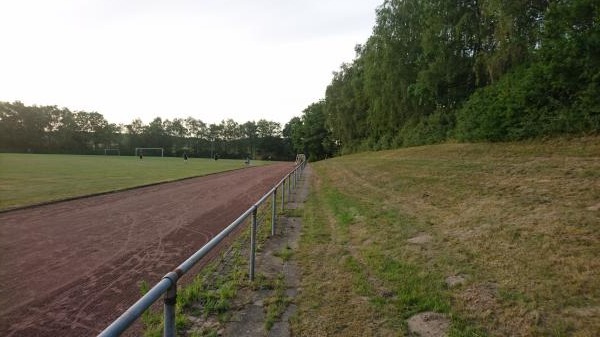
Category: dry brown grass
<point>521,221</point>
<point>329,305</point>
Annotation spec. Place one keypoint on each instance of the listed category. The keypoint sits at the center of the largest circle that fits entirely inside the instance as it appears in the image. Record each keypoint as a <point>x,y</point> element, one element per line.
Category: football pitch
<point>27,179</point>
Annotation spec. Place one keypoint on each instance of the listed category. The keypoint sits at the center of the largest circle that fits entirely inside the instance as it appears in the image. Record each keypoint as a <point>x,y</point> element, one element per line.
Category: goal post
<point>146,150</point>
<point>112,152</point>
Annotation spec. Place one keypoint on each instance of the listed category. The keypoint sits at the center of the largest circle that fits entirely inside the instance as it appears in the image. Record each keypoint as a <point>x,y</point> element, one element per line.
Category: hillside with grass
<point>504,239</point>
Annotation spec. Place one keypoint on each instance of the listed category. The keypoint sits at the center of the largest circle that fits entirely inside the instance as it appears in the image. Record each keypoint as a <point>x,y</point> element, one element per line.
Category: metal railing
<point>168,284</point>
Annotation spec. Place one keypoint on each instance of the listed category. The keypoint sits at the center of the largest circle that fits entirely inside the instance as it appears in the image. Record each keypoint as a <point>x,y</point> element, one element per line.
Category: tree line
<point>49,129</point>
<point>469,70</point>
<point>431,71</point>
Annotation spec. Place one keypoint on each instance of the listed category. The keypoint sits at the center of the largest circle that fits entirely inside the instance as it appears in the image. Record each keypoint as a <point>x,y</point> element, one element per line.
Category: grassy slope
<point>519,221</point>
<point>33,178</point>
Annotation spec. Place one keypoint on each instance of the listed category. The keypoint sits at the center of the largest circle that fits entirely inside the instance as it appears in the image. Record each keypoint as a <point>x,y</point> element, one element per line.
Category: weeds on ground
<point>285,254</point>
<point>204,333</point>
<point>277,303</point>
<point>151,319</point>
<point>212,290</point>
<point>292,212</point>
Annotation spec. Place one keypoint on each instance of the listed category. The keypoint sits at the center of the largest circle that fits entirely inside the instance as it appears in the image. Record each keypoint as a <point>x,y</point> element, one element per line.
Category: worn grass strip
<point>27,179</point>
<point>333,300</point>
<point>371,293</point>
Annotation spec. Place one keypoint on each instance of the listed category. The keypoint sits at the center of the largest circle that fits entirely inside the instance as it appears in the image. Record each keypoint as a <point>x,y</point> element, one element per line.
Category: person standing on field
<point>185,156</point>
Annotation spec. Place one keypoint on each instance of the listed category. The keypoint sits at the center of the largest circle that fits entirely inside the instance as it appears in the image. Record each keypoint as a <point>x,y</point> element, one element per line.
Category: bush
<point>532,101</point>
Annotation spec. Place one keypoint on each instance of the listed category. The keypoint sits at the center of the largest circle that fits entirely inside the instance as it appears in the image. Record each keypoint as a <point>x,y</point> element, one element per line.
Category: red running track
<point>71,268</point>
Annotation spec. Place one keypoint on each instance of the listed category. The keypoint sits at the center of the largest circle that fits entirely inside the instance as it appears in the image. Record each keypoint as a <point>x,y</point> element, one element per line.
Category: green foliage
<point>213,301</point>
<point>346,107</point>
<point>487,70</point>
<point>285,254</point>
<point>309,134</point>
<point>432,129</point>
<point>497,112</point>
<point>48,129</point>
<point>150,318</point>
<point>557,93</point>
<point>276,304</point>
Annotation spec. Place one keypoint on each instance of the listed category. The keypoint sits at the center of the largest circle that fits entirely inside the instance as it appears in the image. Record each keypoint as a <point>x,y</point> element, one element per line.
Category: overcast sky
<point>211,60</point>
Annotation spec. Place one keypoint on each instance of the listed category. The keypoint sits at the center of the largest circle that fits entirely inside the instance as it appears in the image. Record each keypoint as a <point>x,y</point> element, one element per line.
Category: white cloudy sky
<point>212,60</point>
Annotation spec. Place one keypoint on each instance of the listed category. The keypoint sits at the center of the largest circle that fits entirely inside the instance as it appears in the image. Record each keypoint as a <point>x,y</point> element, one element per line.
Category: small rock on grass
<point>420,239</point>
<point>595,207</point>
<point>429,324</point>
<point>455,280</point>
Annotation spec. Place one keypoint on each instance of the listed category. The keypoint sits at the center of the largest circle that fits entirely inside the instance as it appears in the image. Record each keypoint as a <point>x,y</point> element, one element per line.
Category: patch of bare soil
<point>481,298</point>
<point>595,207</point>
<point>429,324</point>
<point>420,239</point>
<point>455,281</point>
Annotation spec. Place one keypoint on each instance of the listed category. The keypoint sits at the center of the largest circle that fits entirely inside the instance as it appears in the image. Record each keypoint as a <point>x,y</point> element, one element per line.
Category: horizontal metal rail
<point>168,284</point>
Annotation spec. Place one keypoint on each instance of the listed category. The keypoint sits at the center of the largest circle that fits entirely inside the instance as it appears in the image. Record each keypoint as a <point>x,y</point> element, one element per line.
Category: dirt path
<point>248,318</point>
<point>69,269</point>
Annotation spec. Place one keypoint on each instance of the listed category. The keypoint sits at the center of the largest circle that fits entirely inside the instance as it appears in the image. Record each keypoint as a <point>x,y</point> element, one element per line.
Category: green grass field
<point>519,222</point>
<point>27,179</point>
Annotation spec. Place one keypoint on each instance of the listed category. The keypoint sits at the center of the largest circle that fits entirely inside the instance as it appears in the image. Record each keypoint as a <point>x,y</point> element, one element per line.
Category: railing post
<point>289,178</point>
<point>169,307</point>
<point>283,195</point>
<point>274,215</point>
<point>253,243</point>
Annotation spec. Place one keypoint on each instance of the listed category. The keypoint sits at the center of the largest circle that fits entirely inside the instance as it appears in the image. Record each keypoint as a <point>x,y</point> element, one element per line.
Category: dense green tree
<point>555,92</point>
<point>270,143</point>
<point>215,136</point>
<point>292,133</point>
<point>309,134</point>
<point>265,128</point>
<point>470,69</point>
<point>346,106</point>
<point>54,130</point>
<point>23,127</point>
<point>250,132</point>
<point>197,130</point>
<point>67,135</point>
<point>93,130</point>
<point>155,134</point>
